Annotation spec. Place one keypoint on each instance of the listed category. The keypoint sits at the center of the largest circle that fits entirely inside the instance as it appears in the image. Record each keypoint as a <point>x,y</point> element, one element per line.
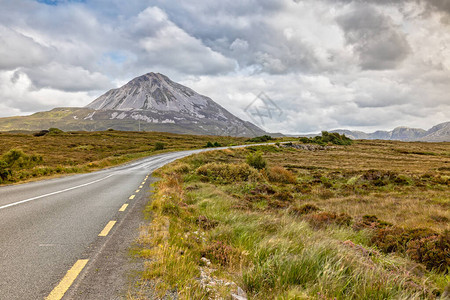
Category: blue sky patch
<point>56,2</point>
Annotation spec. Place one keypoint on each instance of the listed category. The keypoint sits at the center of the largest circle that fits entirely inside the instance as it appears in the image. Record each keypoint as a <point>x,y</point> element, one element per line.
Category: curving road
<point>47,226</point>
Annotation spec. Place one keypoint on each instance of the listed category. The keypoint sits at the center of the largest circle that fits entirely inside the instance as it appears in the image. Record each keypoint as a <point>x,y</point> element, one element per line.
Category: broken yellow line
<point>132,197</point>
<point>137,191</point>
<point>123,207</point>
<point>143,182</point>
<point>59,291</point>
<point>141,186</point>
<point>107,228</point>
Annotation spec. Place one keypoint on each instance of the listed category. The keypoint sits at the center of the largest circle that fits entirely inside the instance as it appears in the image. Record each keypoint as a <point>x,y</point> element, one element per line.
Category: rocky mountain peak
<point>156,99</point>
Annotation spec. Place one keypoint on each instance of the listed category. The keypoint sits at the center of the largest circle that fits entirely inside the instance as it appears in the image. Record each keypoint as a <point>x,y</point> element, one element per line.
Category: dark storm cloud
<point>378,43</point>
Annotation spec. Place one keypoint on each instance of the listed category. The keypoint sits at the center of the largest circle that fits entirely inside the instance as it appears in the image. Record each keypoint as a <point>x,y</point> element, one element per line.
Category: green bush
<point>260,139</point>
<point>16,160</point>
<point>327,138</point>
<point>55,131</point>
<point>159,146</point>
<point>5,171</point>
<point>256,160</point>
<point>210,144</point>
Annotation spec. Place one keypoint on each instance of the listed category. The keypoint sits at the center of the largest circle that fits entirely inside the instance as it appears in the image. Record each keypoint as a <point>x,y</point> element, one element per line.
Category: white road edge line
<point>54,193</point>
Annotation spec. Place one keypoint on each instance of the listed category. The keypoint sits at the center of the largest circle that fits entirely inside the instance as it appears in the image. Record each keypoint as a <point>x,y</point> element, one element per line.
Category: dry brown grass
<point>74,152</point>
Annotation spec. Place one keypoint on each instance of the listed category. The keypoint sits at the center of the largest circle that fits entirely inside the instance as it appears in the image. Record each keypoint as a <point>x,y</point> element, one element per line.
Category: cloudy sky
<point>326,64</point>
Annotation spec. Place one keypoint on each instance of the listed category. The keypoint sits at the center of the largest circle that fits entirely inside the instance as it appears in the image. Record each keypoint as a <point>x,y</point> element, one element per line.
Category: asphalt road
<point>47,226</point>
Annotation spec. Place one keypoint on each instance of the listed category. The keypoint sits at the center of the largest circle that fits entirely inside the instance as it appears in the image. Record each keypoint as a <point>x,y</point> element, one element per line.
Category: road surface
<point>47,227</point>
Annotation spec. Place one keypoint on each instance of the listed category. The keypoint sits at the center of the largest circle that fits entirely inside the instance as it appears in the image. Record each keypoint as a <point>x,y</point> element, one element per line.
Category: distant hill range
<point>151,102</point>
<point>438,133</point>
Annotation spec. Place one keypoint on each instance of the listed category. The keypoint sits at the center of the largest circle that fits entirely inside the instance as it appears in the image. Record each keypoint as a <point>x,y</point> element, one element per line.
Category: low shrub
<point>55,131</point>
<point>41,133</point>
<point>16,158</point>
<point>281,175</point>
<point>227,173</point>
<point>159,146</point>
<point>219,253</point>
<point>5,171</point>
<point>370,222</point>
<point>260,139</point>
<point>206,224</point>
<point>209,144</point>
<point>420,244</point>
<point>433,251</point>
<point>256,160</point>
<point>323,219</point>
<point>304,209</point>
<point>327,138</point>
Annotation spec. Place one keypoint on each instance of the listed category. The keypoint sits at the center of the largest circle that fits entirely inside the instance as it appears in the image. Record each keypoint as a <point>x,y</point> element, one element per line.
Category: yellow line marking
<point>141,186</point>
<point>123,207</point>
<point>132,197</point>
<point>137,191</point>
<point>143,182</point>
<point>65,283</point>
<point>107,228</point>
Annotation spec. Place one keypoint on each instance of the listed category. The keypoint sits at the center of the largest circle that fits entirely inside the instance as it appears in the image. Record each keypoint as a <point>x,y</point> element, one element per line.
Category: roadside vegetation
<point>366,221</point>
<point>327,138</point>
<point>27,156</point>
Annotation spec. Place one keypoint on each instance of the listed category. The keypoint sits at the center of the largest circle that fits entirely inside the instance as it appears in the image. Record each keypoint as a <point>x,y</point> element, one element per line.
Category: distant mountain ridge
<point>150,102</point>
<point>438,133</point>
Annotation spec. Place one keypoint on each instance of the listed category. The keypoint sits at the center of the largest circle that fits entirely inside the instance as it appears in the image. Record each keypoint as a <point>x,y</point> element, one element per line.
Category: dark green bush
<point>256,160</point>
<point>327,138</point>
<point>260,139</point>
<point>159,146</point>
<point>210,144</point>
<point>5,171</point>
<point>41,133</point>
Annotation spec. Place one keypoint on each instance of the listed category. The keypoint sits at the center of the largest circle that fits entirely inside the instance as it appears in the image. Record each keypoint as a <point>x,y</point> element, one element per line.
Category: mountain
<point>151,102</point>
<point>438,133</point>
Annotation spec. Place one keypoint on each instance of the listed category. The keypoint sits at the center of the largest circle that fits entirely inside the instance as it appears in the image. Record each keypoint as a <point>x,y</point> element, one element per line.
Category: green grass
<point>311,225</point>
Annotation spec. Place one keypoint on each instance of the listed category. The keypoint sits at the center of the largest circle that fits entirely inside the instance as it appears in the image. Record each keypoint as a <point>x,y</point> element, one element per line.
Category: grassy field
<point>365,221</point>
<point>75,152</point>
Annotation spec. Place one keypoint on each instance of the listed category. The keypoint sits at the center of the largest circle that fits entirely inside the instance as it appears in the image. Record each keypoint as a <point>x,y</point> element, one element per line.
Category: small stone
<point>241,292</point>
<point>206,261</point>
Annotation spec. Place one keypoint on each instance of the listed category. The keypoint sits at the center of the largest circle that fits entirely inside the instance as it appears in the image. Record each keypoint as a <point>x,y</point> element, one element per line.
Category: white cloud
<point>360,64</point>
<point>18,50</point>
